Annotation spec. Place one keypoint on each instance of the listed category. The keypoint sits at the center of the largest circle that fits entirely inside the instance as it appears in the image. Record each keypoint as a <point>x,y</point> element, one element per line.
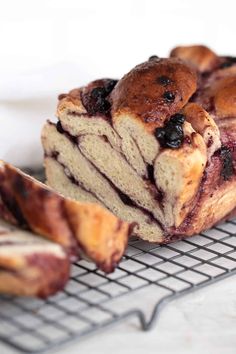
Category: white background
<point>50,46</point>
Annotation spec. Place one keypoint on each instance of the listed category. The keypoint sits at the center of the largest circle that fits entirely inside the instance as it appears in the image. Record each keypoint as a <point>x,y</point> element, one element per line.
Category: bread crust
<point>215,200</point>
<point>202,57</point>
<point>30,265</point>
<point>142,92</point>
<point>204,90</point>
<point>79,227</point>
<point>218,97</point>
<point>216,94</point>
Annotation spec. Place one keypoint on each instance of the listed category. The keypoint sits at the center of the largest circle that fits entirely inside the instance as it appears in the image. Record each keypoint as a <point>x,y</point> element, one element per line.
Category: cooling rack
<point>148,277</point>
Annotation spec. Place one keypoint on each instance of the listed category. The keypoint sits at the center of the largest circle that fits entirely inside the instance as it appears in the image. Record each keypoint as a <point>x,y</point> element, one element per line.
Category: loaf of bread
<point>30,265</point>
<point>83,229</point>
<point>155,148</point>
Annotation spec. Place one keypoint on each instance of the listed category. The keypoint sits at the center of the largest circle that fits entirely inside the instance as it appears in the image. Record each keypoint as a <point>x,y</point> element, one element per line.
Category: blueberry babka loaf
<point>30,265</point>
<point>155,148</point>
<point>81,228</point>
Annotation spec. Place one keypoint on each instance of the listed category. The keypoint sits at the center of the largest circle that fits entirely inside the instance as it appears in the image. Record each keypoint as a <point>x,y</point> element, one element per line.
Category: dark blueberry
<point>226,64</point>
<point>160,133</point>
<point>169,96</point>
<point>229,61</point>
<point>227,163</point>
<point>171,135</point>
<point>98,92</point>
<point>109,86</point>
<point>59,127</point>
<point>95,101</point>
<point>153,57</point>
<point>163,80</point>
<point>102,106</point>
<point>177,118</point>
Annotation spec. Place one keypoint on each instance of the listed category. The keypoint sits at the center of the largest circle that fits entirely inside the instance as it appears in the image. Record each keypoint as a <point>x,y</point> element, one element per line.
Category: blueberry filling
<point>125,198</point>
<point>98,92</point>
<point>109,85</point>
<point>163,80</point>
<point>96,100</point>
<point>169,96</point>
<point>150,172</point>
<point>59,127</point>
<point>227,163</point>
<point>171,135</point>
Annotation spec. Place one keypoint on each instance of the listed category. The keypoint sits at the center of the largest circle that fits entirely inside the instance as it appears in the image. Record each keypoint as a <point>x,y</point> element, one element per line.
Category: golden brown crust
<point>154,90</point>
<point>90,100</point>
<point>225,97</point>
<point>216,94</point>
<point>148,98</point>
<point>33,205</point>
<point>217,89</point>
<point>202,57</point>
<point>204,124</point>
<point>219,96</point>
<point>87,228</point>
<point>71,102</point>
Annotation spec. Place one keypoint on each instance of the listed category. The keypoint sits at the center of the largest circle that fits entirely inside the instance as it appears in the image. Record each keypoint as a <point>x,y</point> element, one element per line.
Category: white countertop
<point>202,322</point>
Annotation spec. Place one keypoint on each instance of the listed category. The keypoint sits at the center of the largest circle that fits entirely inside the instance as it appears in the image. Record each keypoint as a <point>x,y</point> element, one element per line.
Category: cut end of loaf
<point>150,156</point>
<point>79,227</point>
<point>30,265</point>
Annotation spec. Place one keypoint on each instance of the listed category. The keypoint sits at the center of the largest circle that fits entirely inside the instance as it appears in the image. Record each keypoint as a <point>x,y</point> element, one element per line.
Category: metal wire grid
<point>148,274</point>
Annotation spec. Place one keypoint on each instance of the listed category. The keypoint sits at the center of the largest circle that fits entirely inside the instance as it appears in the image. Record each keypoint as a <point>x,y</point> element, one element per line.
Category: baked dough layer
<point>156,148</point>
<point>81,228</point>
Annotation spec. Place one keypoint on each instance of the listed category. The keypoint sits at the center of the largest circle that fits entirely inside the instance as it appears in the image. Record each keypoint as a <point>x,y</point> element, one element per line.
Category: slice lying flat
<point>81,228</point>
<point>30,265</point>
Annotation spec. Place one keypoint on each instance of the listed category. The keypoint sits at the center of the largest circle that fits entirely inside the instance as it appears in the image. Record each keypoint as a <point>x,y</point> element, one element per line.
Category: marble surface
<point>202,322</point>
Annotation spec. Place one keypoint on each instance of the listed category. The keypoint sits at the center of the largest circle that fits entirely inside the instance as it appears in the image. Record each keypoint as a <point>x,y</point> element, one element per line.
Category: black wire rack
<point>148,277</point>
